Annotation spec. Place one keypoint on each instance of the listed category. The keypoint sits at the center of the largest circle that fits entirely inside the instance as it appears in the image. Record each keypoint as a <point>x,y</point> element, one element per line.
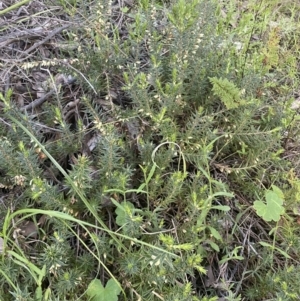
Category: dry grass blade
<point>14,6</point>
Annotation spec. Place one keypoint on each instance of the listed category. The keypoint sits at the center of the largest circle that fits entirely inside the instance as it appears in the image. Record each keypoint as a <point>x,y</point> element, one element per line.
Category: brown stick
<point>39,101</point>
<point>49,36</point>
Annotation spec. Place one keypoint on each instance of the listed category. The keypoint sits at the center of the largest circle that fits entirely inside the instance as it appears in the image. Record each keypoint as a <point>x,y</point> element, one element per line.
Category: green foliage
<point>184,15</point>
<point>97,292</point>
<point>184,124</point>
<point>273,208</point>
<point>281,285</point>
<point>228,93</point>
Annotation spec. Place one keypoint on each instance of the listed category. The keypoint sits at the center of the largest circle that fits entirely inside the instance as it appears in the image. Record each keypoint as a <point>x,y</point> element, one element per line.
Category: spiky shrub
<point>178,123</point>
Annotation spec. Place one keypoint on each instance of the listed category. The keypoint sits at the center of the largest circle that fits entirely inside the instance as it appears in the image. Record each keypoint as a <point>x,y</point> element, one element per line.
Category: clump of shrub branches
<point>149,193</point>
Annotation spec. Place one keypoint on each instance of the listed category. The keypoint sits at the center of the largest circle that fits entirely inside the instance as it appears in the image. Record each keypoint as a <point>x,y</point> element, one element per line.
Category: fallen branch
<point>39,101</point>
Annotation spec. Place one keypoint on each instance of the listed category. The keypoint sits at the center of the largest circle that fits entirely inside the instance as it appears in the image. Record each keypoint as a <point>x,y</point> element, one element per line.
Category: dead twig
<point>49,36</point>
<point>39,101</point>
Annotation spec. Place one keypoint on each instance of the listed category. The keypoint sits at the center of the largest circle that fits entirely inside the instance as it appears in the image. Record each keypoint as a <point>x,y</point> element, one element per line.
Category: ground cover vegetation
<point>149,150</point>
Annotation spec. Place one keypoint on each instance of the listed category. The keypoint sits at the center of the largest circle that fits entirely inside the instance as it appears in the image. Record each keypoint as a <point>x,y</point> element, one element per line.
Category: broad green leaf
<point>112,290</point>
<point>47,294</point>
<point>265,244</point>
<point>125,209</point>
<point>221,207</point>
<point>272,209</point>
<point>278,191</point>
<point>97,292</point>
<point>38,293</point>
<point>94,289</point>
<point>42,275</point>
<point>215,233</point>
<point>223,193</point>
<point>213,245</point>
